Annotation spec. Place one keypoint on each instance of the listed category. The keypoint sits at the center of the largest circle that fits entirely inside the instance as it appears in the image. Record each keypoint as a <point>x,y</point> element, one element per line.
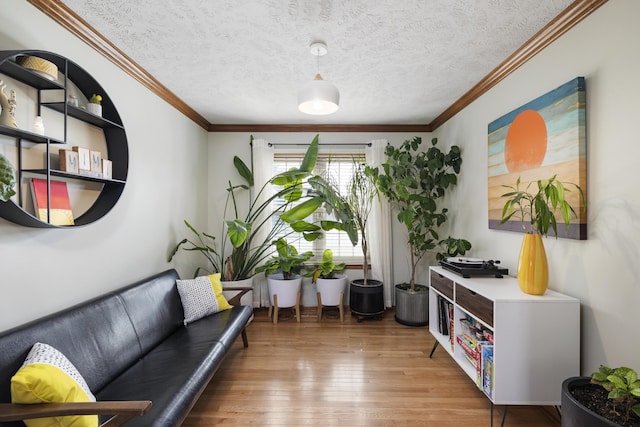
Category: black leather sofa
<point>129,345</point>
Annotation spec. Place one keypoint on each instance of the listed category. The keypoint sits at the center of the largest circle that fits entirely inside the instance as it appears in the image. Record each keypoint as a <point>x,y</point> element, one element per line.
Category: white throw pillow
<point>201,297</point>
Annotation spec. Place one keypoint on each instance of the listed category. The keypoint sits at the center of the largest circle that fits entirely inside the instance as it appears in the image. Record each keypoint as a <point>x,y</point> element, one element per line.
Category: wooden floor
<point>373,373</point>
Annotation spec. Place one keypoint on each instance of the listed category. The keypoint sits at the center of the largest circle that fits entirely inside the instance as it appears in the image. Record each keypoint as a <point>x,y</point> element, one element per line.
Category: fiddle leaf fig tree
<point>7,179</point>
<point>413,181</point>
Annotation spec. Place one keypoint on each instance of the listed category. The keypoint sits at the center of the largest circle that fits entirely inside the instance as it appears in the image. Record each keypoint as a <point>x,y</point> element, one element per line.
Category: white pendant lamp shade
<point>318,97</point>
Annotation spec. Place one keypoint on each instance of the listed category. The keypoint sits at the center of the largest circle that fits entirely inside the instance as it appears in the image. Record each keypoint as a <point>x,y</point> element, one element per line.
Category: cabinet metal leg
<point>504,415</point>
<point>433,349</point>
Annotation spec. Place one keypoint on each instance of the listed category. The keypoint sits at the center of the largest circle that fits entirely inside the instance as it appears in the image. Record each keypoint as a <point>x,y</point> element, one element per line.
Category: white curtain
<point>379,232</point>
<point>262,172</point>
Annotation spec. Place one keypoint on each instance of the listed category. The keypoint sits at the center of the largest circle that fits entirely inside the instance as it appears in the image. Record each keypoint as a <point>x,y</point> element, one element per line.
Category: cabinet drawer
<point>477,305</point>
<point>442,285</point>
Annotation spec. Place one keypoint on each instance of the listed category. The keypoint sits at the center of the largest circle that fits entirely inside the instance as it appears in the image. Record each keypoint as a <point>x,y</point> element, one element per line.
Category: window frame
<point>324,160</point>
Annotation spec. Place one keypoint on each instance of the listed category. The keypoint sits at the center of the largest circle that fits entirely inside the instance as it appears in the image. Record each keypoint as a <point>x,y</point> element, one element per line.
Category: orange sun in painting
<point>526,142</point>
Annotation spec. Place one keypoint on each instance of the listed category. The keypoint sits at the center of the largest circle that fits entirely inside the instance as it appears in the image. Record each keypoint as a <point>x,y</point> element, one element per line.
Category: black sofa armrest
<point>236,298</point>
<point>123,411</point>
<point>236,301</point>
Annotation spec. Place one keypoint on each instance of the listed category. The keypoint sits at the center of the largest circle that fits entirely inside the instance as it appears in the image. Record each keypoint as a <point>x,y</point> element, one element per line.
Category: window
<point>340,168</point>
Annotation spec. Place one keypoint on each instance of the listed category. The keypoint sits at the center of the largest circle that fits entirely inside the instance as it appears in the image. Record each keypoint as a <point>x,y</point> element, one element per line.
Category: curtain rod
<point>357,144</point>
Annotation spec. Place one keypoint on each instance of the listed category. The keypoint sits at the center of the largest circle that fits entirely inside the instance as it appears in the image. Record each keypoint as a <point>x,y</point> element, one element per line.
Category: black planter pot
<point>366,301</point>
<point>412,308</point>
<point>574,414</point>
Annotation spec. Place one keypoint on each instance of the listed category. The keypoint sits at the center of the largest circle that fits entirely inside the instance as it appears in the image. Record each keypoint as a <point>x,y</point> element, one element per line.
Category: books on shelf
<point>487,369</point>
<point>59,207</point>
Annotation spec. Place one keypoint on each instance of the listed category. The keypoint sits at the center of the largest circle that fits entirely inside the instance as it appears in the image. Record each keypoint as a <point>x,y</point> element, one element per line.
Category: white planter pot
<point>247,299</point>
<point>286,290</point>
<point>94,109</point>
<point>330,289</point>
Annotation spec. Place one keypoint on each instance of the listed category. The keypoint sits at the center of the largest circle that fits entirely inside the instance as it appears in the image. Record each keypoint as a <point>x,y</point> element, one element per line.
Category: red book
<point>60,206</point>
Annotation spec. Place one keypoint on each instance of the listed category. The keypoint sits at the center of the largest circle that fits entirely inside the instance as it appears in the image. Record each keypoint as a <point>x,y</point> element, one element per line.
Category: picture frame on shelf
<point>68,161</point>
<point>84,158</point>
<point>96,162</point>
<point>107,169</point>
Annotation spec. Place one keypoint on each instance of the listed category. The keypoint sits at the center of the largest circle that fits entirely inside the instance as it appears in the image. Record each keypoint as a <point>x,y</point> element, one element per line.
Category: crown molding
<point>570,17</point>
<point>67,18</point>
<point>566,20</point>
<point>319,128</point>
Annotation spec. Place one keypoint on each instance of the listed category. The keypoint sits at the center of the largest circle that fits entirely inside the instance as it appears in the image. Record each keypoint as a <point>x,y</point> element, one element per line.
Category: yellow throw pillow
<point>201,297</point>
<point>223,304</point>
<point>47,376</point>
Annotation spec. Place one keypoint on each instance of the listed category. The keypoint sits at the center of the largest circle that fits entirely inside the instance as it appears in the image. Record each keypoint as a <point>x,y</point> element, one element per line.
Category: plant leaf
<point>301,211</point>
<point>243,170</point>
<point>238,232</point>
<point>310,157</point>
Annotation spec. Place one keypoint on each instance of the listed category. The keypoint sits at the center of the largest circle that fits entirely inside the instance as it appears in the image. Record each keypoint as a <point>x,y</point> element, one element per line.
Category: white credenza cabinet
<point>536,339</point>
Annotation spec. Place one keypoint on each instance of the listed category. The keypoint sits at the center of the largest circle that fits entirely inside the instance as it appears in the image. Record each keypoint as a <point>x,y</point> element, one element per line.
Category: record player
<point>467,267</point>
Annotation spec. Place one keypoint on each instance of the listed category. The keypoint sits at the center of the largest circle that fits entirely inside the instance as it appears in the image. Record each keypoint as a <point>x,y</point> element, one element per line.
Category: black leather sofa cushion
<point>97,337</point>
<point>175,373</point>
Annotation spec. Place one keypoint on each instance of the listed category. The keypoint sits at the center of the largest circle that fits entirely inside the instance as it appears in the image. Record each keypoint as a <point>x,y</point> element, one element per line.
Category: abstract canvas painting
<point>542,138</point>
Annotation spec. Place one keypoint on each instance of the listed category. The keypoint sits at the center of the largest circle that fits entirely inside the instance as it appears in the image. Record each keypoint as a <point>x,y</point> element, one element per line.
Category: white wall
<point>44,270</point>
<point>603,270</point>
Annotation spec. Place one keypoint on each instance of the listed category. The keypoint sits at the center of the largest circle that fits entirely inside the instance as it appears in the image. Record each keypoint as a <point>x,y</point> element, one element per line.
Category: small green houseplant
<point>326,269</point>
<point>536,210</point>
<point>286,260</point>
<point>330,282</point>
<point>283,277</point>
<point>610,397</point>
<point>413,181</point>
<point>623,387</point>
<point>7,179</point>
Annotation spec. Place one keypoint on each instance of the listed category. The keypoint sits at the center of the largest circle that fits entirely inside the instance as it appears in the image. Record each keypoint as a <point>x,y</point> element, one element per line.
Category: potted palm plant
<point>366,295</point>
<point>283,277</point>
<point>7,179</point>
<point>413,181</point>
<point>537,213</point>
<point>330,282</point>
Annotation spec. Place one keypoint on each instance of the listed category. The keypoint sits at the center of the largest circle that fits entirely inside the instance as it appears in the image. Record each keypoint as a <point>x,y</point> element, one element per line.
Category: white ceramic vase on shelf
<point>94,109</point>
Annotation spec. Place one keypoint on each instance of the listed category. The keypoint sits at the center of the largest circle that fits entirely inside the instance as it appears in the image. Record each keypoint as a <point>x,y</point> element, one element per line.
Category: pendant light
<point>318,97</point>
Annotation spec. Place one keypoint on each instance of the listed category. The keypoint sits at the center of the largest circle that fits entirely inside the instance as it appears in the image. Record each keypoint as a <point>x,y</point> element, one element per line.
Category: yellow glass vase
<point>533,272</point>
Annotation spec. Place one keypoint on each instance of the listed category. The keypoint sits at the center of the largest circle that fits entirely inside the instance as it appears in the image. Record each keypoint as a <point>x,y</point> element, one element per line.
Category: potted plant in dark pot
<point>414,181</point>
<point>330,282</point>
<point>283,277</point>
<point>610,397</point>
<point>366,295</point>
<point>538,211</point>
<point>245,242</point>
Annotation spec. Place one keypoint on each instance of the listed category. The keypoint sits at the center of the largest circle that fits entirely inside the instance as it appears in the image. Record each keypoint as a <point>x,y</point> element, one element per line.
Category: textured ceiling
<point>394,61</point>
